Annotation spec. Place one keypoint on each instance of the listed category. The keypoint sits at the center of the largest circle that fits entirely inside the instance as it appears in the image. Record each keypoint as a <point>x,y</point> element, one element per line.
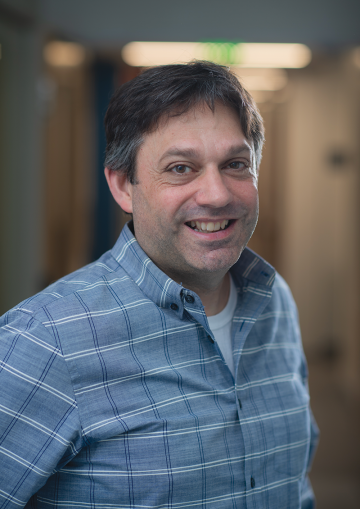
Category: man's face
<point>195,204</point>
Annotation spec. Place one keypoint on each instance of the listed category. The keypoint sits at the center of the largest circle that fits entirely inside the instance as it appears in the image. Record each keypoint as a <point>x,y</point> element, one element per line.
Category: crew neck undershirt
<point>220,325</point>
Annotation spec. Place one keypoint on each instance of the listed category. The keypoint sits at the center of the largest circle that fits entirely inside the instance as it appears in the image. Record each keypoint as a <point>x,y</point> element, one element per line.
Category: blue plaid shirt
<point>115,395</point>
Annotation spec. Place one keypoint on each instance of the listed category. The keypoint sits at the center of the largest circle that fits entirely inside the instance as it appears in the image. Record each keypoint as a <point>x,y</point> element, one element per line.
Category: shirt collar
<point>153,282</point>
<point>253,268</point>
<point>161,289</point>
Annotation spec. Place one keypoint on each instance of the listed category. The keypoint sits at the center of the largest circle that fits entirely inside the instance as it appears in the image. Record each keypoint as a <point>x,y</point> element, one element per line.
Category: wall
<point>320,242</point>
<point>20,148</point>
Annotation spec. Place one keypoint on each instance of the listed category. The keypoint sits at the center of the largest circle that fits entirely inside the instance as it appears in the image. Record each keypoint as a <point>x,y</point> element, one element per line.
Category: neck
<point>214,298</point>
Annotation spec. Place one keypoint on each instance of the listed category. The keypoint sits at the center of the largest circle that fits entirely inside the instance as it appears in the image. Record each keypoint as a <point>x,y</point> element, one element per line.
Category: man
<point>169,373</point>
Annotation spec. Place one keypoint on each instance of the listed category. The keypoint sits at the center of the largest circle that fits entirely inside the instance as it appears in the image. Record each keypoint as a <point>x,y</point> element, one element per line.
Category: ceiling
<point>320,24</point>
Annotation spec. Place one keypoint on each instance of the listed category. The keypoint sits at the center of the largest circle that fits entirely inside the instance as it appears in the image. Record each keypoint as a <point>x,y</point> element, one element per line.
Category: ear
<point>120,188</point>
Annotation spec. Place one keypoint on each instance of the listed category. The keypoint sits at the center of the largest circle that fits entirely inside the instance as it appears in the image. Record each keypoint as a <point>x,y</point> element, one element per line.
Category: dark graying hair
<point>169,90</point>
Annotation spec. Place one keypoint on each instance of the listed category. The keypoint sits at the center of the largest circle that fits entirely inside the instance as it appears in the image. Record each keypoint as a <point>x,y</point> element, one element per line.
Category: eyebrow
<point>192,153</point>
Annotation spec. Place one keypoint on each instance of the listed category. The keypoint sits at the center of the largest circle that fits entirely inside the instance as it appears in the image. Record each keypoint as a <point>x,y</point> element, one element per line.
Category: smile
<point>201,226</point>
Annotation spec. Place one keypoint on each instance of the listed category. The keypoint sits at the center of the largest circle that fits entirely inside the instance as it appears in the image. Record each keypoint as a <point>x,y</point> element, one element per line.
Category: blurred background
<point>61,60</point>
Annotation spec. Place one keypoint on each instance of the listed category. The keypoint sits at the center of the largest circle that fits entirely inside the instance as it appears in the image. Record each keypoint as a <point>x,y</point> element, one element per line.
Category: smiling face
<point>195,203</point>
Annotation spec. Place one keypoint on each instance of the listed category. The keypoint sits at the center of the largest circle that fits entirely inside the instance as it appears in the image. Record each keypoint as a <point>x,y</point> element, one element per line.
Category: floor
<point>335,475</point>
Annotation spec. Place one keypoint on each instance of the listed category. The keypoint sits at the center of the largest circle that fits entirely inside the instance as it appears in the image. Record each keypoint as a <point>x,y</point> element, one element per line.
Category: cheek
<point>254,195</point>
<point>156,210</point>
<point>247,192</point>
<point>172,201</point>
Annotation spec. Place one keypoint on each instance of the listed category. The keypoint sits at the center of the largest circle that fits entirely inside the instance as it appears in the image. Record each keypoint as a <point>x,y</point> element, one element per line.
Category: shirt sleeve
<point>39,422</point>
<point>307,494</point>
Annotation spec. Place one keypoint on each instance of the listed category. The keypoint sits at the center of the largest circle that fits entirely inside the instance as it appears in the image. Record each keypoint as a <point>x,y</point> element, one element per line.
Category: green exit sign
<point>222,52</point>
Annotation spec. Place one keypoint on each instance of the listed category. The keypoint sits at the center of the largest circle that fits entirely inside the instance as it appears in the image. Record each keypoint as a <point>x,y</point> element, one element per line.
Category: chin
<point>219,263</point>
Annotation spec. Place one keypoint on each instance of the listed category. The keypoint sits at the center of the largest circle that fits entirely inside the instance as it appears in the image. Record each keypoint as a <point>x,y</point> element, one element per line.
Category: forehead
<point>195,128</point>
<point>195,115</point>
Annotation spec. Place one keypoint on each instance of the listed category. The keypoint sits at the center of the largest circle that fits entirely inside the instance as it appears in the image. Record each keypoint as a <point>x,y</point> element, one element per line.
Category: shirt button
<point>211,339</point>
<point>189,298</point>
<point>174,307</point>
<point>252,482</point>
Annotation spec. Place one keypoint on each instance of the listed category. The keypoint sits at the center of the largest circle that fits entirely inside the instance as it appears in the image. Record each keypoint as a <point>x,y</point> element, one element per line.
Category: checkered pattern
<point>115,395</point>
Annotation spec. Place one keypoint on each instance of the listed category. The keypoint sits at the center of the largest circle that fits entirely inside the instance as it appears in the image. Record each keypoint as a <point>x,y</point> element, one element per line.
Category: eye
<point>237,165</point>
<point>181,169</point>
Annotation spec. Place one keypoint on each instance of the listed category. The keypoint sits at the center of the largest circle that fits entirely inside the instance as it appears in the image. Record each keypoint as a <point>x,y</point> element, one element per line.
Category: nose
<point>214,190</point>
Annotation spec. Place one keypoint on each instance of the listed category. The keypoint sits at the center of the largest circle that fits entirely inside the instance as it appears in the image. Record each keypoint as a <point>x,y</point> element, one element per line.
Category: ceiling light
<point>274,55</point>
<point>261,79</point>
<point>148,54</point>
<point>64,54</point>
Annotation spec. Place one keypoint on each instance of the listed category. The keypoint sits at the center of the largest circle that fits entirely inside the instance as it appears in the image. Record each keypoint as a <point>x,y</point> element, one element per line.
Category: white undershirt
<point>220,325</point>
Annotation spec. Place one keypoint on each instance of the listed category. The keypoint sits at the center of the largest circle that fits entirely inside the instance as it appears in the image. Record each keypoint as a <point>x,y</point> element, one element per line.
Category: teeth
<point>209,227</point>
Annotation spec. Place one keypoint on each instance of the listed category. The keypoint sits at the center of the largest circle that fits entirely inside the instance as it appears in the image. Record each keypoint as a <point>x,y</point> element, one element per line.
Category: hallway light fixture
<point>64,54</point>
<point>249,55</point>
<point>261,79</point>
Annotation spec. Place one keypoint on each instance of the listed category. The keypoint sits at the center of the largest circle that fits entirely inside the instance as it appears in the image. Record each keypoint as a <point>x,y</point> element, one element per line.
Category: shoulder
<point>282,297</point>
<point>252,270</point>
<point>84,287</point>
<point>254,274</point>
